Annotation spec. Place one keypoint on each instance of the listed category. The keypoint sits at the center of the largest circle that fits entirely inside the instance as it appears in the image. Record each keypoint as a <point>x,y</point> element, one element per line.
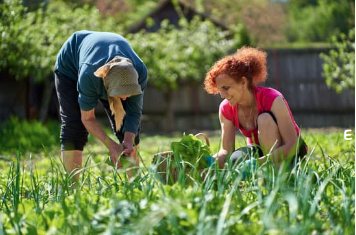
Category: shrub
<point>27,136</point>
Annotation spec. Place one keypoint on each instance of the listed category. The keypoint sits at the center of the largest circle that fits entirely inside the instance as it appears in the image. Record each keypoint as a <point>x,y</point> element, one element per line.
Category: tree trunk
<point>169,123</point>
<point>46,99</point>
<point>196,104</point>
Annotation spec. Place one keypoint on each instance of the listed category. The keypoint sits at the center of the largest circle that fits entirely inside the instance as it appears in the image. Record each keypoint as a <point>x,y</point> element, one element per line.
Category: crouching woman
<point>261,114</point>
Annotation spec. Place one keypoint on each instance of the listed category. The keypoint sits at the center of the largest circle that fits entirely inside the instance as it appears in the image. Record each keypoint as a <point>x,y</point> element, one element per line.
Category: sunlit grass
<point>315,197</point>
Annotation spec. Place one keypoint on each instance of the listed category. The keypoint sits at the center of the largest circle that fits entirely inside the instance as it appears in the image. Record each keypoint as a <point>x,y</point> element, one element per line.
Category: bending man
<point>92,67</point>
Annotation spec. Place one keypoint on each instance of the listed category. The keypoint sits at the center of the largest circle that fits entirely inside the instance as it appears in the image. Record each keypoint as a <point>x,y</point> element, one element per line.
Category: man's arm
<point>134,106</point>
<point>92,125</point>
<point>132,121</point>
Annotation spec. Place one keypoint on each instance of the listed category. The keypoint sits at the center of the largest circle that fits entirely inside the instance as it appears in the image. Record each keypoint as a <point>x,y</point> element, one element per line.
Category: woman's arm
<point>227,140</point>
<point>93,126</point>
<point>286,130</point>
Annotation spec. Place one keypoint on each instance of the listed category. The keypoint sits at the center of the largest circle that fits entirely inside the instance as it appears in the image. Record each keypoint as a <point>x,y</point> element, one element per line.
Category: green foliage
<point>192,150</point>
<point>125,161</point>
<point>15,48</point>
<point>316,21</point>
<point>175,55</point>
<point>339,62</point>
<point>30,40</point>
<point>315,197</point>
<point>27,136</point>
<point>138,10</point>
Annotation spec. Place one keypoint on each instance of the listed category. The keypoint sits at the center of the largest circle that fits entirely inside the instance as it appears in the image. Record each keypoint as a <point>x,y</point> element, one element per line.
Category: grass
<point>315,197</point>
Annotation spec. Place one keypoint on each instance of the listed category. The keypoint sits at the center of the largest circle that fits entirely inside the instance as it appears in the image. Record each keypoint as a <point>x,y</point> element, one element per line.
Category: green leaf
<point>192,150</point>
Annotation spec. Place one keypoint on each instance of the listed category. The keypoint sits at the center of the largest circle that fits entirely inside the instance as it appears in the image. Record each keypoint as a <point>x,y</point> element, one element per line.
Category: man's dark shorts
<point>74,135</point>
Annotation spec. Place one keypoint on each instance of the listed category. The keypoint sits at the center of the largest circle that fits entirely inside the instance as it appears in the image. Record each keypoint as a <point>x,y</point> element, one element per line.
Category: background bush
<point>28,136</point>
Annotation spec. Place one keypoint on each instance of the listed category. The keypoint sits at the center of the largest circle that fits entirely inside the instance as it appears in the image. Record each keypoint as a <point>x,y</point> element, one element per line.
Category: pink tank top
<point>264,97</point>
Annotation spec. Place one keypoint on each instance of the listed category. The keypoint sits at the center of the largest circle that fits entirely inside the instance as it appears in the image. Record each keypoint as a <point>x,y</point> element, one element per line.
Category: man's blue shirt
<point>86,51</point>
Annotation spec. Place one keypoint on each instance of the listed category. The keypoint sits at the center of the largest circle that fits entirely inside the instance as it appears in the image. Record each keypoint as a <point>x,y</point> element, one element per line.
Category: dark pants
<point>255,151</point>
<point>74,135</point>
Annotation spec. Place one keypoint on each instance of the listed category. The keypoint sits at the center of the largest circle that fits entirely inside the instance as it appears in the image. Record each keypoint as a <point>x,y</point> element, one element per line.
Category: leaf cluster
<point>30,40</point>
<point>339,62</point>
<point>316,196</point>
<point>193,150</point>
<point>184,54</point>
<point>27,136</point>
<point>318,20</point>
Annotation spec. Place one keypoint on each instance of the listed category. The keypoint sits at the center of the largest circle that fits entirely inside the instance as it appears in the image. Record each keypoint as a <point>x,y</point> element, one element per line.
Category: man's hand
<point>128,147</point>
<point>128,143</point>
<point>131,152</point>
<point>115,151</point>
<point>94,128</point>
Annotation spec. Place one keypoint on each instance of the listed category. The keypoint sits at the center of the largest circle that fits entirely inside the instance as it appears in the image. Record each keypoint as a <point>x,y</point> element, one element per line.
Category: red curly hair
<point>247,62</point>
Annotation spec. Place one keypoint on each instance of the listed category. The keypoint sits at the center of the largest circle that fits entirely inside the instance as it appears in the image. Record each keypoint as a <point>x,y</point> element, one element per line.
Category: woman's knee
<point>268,132</point>
<point>265,120</point>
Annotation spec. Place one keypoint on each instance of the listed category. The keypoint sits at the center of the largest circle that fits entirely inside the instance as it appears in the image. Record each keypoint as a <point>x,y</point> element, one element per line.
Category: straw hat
<point>120,78</point>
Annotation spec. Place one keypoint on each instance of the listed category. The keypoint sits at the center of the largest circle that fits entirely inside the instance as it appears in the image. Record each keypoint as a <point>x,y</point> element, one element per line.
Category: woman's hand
<point>220,157</point>
<point>227,140</point>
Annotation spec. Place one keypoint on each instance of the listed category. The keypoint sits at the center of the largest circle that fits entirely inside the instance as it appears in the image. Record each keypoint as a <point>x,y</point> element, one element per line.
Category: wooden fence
<point>297,73</point>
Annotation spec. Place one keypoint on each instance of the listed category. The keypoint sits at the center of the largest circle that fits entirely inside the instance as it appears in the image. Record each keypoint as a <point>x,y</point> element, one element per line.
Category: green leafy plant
<point>28,136</point>
<point>316,196</point>
<point>30,40</point>
<point>339,62</point>
<point>192,150</point>
<point>125,161</point>
<point>318,20</point>
<point>183,54</point>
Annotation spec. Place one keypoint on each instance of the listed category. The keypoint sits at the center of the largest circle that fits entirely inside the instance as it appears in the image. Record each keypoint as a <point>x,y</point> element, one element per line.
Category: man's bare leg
<point>72,161</point>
